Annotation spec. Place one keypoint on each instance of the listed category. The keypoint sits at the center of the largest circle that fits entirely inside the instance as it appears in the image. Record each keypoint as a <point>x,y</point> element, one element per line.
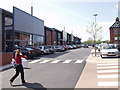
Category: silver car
<point>44,49</point>
<point>109,50</point>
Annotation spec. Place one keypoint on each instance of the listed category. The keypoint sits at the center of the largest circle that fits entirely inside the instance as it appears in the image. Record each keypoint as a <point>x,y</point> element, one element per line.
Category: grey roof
<point>116,24</point>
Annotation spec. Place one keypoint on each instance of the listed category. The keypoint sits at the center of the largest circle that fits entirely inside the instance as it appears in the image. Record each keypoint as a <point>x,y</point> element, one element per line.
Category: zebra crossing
<point>108,74</point>
<point>56,61</point>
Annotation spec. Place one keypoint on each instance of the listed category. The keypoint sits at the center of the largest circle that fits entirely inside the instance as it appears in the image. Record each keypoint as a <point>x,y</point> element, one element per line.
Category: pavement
<point>99,73</point>
<point>5,67</point>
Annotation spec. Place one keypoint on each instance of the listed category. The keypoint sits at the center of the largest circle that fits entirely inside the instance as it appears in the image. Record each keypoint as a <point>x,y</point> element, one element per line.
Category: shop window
<point>38,40</point>
<point>17,35</point>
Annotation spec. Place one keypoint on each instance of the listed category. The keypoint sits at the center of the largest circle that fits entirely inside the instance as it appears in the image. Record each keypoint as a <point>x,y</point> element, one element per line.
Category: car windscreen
<point>29,49</point>
<point>109,47</point>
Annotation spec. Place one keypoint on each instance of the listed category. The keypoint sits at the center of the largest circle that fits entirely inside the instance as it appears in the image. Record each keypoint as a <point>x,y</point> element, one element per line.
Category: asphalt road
<point>59,70</point>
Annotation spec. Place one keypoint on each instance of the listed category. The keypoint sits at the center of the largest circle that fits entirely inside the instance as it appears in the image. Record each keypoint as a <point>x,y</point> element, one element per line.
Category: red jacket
<point>18,59</point>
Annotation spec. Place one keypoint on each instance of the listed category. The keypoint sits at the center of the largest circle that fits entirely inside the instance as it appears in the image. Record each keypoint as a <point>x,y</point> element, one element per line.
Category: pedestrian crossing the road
<point>56,61</point>
<point>108,74</point>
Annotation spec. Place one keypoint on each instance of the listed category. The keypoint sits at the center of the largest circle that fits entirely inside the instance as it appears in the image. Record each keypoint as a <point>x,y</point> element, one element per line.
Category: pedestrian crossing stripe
<point>45,61</point>
<point>67,61</point>
<point>57,61</point>
<point>107,64</point>
<point>108,71</point>
<point>34,61</point>
<point>79,61</point>
<point>109,76</point>
<point>108,67</point>
<point>108,83</point>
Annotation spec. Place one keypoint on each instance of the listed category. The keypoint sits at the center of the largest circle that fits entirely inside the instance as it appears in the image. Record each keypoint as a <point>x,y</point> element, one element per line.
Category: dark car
<point>36,49</point>
<point>29,52</point>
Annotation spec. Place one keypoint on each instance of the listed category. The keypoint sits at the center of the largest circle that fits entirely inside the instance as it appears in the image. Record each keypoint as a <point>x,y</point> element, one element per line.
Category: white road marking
<point>45,61</point>
<point>108,83</point>
<point>107,71</point>
<point>107,64</point>
<point>67,61</point>
<point>108,67</point>
<point>109,76</point>
<point>55,61</point>
<point>34,61</point>
<point>79,61</point>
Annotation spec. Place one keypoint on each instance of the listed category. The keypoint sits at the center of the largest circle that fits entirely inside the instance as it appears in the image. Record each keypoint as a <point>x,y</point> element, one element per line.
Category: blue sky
<point>74,15</point>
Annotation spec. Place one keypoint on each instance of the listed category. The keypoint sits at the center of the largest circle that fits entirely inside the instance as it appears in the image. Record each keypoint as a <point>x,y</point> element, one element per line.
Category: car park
<point>44,50</point>
<point>109,50</point>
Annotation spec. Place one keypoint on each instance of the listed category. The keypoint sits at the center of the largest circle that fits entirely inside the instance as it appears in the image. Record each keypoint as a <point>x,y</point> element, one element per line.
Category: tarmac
<point>93,76</point>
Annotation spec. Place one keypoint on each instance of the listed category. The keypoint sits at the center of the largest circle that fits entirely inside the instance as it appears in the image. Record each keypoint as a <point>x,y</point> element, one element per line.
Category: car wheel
<point>42,53</point>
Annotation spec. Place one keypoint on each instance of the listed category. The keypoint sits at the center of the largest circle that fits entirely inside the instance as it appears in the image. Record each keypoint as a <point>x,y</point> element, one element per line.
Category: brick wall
<point>5,58</point>
<point>111,35</point>
<point>48,37</point>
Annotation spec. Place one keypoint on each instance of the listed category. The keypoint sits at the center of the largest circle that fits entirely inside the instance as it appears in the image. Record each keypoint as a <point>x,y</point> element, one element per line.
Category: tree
<point>95,31</point>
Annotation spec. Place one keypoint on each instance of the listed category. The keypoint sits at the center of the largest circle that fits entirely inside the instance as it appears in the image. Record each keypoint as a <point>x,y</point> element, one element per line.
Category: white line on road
<point>109,76</point>
<point>34,61</point>
<point>107,71</point>
<point>79,61</point>
<point>108,67</point>
<point>55,61</point>
<point>67,61</point>
<point>108,83</point>
<point>107,64</point>
<point>45,61</point>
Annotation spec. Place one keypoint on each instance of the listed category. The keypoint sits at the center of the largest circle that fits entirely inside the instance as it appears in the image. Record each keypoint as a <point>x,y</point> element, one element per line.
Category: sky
<point>74,15</point>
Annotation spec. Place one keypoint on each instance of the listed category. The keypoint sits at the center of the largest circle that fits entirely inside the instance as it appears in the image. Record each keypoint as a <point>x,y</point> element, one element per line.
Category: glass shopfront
<point>38,40</point>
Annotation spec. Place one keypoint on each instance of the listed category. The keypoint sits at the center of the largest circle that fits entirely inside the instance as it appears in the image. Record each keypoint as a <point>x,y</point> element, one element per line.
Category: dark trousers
<point>19,69</point>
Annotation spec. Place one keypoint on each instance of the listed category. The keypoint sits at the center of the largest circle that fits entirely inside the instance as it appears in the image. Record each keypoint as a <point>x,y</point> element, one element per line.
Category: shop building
<point>20,29</point>
<point>49,36</point>
<point>58,37</point>
<point>115,32</point>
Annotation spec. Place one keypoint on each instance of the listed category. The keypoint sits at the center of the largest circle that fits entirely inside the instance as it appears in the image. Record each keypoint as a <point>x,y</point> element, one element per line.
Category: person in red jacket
<point>19,67</point>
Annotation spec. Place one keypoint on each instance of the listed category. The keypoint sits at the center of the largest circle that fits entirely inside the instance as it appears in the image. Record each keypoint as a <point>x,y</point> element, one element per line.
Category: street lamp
<point>95,33</point>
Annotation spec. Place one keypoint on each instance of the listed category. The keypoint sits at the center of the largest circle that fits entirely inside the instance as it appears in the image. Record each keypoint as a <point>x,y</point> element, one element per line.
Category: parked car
<point>59,48</point>
<point>36,50</point>
<point>51,49</point>
<point>70,47</point>
<point>65,47</point>
<point>86,46</point>
<point>29,52</point>
<point>44,50</point>
<point>74,46</point>
<point>109,50</point>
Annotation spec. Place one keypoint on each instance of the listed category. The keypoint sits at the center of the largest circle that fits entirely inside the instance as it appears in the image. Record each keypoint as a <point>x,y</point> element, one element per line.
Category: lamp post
<point>95,33</point>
